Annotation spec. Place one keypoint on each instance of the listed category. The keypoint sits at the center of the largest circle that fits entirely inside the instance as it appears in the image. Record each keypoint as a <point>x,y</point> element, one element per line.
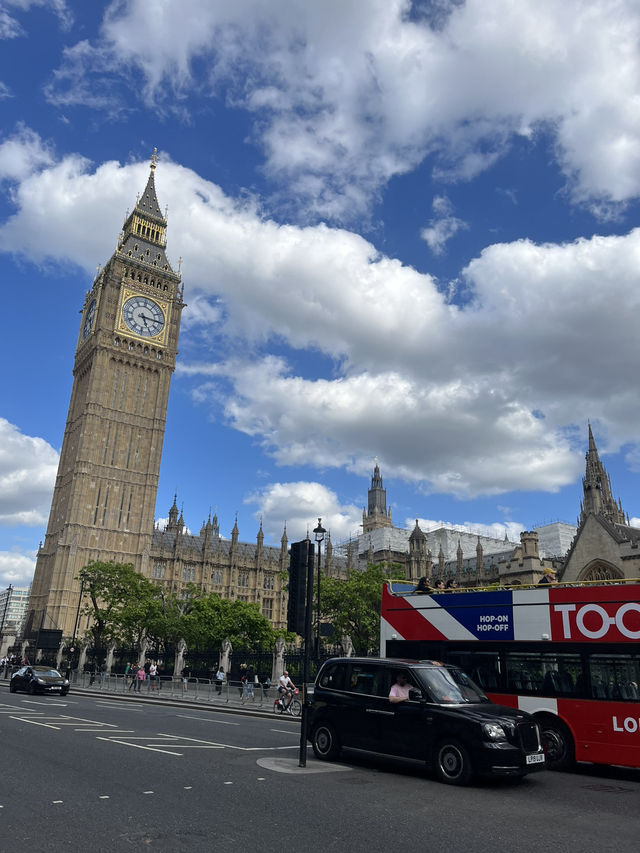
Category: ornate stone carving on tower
<point>596,485</point>
<point>105,492</point>
<point>377,515</point>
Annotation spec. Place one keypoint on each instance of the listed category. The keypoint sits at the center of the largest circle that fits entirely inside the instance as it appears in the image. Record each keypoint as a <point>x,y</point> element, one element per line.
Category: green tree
<point>352,604</point>
<point>118,600</point>
<point>210,619</point>
<point>165,625</point>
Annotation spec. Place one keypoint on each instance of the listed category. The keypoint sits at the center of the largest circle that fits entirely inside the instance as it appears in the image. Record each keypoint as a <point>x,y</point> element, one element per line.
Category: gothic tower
<point>105,492</point>
<point>596,485</point>
<point>377,515</point>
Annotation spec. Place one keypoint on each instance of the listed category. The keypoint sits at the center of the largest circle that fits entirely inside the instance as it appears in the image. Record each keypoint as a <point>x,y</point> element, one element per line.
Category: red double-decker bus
<point>568,654</point>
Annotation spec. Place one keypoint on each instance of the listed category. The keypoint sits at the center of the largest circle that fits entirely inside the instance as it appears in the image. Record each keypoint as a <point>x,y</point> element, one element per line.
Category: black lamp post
<point>319,537</point>
<point>74,647</point>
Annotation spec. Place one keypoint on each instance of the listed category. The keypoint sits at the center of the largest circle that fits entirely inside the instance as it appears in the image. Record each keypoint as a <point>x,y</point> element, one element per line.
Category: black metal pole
<point>307,651</point>
<point>75,626</point>
<point>319,535</point>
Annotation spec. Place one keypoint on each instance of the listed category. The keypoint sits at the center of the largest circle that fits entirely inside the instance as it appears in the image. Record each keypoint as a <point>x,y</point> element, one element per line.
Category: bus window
<point>483,667</point>
<point>545,674</point>
<point>615,677</point>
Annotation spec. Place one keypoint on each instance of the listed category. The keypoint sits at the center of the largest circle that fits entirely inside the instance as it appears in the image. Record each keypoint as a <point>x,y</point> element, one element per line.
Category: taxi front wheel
<point>453,763</point>
<point>325,742</point>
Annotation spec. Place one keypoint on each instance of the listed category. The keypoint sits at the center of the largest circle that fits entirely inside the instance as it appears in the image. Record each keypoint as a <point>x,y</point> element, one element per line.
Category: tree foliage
<point>118,600</point>
<point>352,605</point>
<point>126,608</point>
<point>211,619</point>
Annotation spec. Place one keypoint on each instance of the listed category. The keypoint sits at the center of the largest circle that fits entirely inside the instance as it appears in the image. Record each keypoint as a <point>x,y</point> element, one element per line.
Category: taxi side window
<point>365,678</point>
<point>333,676</point>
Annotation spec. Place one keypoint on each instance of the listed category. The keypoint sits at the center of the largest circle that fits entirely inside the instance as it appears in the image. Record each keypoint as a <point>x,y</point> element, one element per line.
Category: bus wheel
<point>453,764</point>
<point>557,743</point>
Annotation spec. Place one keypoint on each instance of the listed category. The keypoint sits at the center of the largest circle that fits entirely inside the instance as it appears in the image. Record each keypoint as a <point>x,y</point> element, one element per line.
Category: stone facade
<point>104,498</point>
<point>605,546</point>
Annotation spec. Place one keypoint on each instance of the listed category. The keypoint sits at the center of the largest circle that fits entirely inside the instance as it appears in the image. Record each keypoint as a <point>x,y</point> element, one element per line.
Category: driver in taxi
<point>400,690</point>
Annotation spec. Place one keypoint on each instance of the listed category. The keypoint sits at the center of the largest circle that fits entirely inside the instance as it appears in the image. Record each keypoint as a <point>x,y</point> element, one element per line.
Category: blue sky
<point>408,231</point>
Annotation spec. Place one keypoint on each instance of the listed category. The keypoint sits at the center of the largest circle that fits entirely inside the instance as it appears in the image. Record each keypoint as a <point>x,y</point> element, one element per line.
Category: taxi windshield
<point>451,686</point>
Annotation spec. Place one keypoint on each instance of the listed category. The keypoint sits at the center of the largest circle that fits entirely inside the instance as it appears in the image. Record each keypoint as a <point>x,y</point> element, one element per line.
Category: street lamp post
<point>73,648</point>
<point>319,537</point>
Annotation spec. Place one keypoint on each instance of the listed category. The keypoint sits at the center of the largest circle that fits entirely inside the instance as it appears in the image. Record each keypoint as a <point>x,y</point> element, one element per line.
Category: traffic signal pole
<point>307,655</point>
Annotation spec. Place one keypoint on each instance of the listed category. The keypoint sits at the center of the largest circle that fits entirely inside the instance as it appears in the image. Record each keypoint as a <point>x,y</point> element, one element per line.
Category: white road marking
<point>227,745</point>
<point>35,723</point>
<point>282,731</point>
<point>147,792</point>
<point>56,802</point>
<point>76,720</point>
<point>208,720</point>
<point>103,797</point>
<point>188,787</point>
<point>192,739</point>
<point>12,709</point>
<point>139,746</point>
<point>111,731</point>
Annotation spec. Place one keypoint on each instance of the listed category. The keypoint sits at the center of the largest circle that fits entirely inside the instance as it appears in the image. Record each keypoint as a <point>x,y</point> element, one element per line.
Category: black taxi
<point>446,720</point>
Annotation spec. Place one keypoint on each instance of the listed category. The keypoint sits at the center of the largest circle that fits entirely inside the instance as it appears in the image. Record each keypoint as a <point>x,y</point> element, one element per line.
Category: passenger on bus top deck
<point>423,585</point>
<point>548,576</point>
<point>439,584</point>
<point>452,583</point>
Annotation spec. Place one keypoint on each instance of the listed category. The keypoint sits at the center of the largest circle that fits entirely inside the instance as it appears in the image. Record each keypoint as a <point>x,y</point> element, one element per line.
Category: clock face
<point>88,320</point>
<point>143,316</point>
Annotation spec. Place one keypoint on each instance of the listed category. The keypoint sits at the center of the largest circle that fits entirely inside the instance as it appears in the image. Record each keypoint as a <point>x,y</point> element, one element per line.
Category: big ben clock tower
<point>105,493</point>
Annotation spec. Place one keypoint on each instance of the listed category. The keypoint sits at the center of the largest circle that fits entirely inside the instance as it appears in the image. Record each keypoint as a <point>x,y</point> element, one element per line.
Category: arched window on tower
<point>600,572</point>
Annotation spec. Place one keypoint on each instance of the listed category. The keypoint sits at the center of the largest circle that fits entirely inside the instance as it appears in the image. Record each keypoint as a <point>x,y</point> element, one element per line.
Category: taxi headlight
<point>493,731</point>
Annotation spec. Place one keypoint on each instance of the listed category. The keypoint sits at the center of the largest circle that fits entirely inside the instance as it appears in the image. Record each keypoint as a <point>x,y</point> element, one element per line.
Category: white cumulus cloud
<point>28,468</point>
<point>346,95</point>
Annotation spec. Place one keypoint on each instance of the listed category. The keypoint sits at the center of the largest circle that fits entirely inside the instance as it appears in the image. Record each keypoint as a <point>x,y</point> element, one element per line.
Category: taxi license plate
<point>535,759</point>
<point>60,688</point>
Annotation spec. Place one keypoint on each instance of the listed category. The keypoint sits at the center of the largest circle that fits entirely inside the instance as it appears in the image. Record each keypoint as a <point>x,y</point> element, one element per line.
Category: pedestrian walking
<point>219,679</point>
<point>141,677</point>
<point>186,675</point>
<point>249,677</point>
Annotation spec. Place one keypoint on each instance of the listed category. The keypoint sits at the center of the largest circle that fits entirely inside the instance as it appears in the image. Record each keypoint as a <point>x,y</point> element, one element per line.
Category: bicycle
<point>294,707</point>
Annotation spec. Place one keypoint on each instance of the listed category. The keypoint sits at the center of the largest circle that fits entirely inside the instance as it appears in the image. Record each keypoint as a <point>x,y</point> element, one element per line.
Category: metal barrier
<point>236,693</point>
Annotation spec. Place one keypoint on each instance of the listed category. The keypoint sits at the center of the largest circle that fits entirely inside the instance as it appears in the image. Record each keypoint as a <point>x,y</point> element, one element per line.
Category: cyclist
<point>285,689</point>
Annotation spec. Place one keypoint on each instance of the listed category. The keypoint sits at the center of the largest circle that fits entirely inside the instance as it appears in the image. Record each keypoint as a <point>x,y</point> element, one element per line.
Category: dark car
<point>447,721</point>
<point>39,679</point>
